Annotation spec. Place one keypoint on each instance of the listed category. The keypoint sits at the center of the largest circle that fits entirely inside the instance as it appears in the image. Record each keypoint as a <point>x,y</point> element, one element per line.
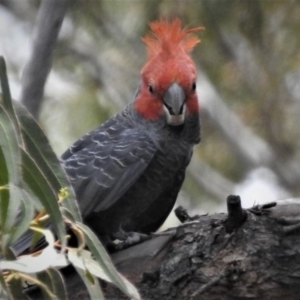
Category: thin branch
<point>236,215</point>
<point>210,284</point>
<point>49,21</point>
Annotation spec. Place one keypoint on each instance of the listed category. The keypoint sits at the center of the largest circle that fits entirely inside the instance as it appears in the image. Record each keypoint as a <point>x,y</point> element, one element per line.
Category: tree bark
<point>251,254</point>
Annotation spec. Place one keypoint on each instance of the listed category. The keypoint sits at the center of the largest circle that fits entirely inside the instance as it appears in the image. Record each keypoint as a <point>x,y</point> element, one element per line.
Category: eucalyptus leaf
<point>93,289</point>
<point>39,184</point>
<point>33,280</point>
<point>6,96</point>
<point>49,257</point>
<point>10,152</point>
<point>9,141</point>
<point>37,146</point>
<point>67,214</point>
<point>54,280</point>
<point>15,289</point>
<point>59,287</point>
<point>83,260</point>
<point>10,163</point>
<point>3,288</point>
<point>101,256</point>
<point>9,135</point>
<point>24,217</point>
<point>4,192</point>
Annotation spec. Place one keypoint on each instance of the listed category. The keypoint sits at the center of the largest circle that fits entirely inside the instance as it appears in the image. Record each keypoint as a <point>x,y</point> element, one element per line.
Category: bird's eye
<point>151,90</point>
<point>194,87</point>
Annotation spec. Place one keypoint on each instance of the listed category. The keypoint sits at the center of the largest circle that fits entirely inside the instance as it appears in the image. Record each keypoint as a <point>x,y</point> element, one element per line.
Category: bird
<point>128,172</point>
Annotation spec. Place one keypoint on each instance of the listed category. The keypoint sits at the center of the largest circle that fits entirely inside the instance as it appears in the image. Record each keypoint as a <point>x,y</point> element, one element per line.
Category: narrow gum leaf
<point>33,264</point>
<point>94,290</point>
<point>37,145</point>
<point>101,256</point>
<point>9,142</point>
<point>54,281</point>
<point>39,184</point>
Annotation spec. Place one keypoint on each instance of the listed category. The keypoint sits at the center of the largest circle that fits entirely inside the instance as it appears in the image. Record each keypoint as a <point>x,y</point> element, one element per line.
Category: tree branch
<point>258,260</point>
<point>49,21</point>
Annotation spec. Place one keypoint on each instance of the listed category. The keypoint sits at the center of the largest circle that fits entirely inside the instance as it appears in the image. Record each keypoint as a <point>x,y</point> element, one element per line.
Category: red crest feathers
<point>168,36</point>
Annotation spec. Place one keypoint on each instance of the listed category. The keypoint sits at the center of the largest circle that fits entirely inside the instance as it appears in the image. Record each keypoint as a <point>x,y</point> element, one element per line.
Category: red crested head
<point>169,76</point>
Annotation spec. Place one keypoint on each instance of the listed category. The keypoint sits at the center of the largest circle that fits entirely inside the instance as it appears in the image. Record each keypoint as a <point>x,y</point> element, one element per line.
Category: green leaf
<point>38,163</point>
<point>101,256</point>
<point>67,214</point>
<point>37,146</point>
<point>3,288</point>
<point>25,216</point>
<point>39,184</point>
<point>54,280</point>
<point>10,161</point>
<point>6,96</point>
<point>25,154</point>
<point>49,257</point>
<point>59,287</point>
<point>4,177</point>
<point>33,280</point>
<point>83,259</point>
<point>9,141</point>
<point>10,135</point>
<point>10,201</point>
<point>4,190</point>
<point>93,289</point>
<point>10,152</point>
<point>15,289</point>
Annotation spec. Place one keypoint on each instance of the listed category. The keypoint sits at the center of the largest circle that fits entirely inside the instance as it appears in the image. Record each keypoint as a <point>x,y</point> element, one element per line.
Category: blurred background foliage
<point>249,85</point>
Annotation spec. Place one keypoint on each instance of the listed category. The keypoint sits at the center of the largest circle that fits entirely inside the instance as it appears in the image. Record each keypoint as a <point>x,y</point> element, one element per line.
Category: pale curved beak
<point>174,104</point>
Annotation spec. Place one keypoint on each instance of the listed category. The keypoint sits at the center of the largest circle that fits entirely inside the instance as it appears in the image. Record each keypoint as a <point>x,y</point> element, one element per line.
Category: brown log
<point>201,259</point>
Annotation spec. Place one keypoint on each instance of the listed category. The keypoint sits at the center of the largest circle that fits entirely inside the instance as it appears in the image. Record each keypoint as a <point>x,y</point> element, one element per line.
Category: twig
<point>208,285</point>
<point>236,215</point>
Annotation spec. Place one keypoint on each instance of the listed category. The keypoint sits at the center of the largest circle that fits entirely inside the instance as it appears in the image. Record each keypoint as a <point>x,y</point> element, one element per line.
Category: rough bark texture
<point>258,259</point>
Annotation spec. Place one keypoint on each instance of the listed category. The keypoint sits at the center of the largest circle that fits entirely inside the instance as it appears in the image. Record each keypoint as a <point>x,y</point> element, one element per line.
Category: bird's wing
<point>103,165</point>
